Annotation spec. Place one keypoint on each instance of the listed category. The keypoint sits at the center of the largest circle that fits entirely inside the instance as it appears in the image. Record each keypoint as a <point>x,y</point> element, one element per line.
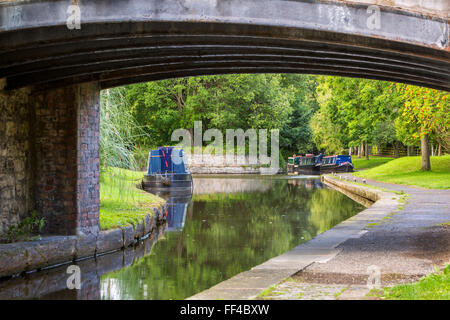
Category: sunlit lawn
<point>435,286</point>
<point>407,171</point>
<point>121,203</point>
<point>362,163</point>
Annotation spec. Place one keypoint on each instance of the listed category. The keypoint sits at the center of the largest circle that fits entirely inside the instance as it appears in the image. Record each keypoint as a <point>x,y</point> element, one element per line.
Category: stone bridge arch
<point>52,70</point>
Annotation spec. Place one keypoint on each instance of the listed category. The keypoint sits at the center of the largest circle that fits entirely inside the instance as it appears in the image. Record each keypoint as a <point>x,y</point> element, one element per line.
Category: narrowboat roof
<point>337,155</point>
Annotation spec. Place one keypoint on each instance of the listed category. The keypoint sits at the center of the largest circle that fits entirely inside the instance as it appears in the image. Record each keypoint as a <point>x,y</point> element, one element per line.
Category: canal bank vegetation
<point>408,171</point>
<point>435,286</point>
<point>121,202</point>
<point>29,229</point>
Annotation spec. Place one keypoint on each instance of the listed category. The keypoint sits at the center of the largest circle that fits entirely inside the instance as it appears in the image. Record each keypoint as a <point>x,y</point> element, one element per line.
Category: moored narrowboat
<point>309,164</point>
<point>336,163</point>
<point>292,165</point>
<point>167,172</point>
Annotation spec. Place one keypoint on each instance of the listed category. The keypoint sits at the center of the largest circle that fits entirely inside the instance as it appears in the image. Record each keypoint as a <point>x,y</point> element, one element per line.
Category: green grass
<point>371,225</point>
<point>121,203</point>
<point>435,286</point>
<point>407,171</point>
<point>268,292</point>
<point>338,294</point>
<point>362,163</point>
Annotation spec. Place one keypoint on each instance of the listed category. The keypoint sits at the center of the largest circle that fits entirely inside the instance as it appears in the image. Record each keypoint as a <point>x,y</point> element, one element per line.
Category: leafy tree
<point>354,112</point>
<point>326,134</point>
<point>233,101</point>
<point>427,113</point>
<point>296,135</point>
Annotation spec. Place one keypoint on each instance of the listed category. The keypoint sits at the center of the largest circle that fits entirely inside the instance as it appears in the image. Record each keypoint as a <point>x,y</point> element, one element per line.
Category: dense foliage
<point>426,111</point>
<point>359,112</point>
<point>119,130</point>
<point>267,101</point>
<point>313,113</point>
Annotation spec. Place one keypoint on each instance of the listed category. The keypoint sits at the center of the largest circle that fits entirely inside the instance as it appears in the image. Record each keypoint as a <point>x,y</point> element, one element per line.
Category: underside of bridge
<point>52,68</point>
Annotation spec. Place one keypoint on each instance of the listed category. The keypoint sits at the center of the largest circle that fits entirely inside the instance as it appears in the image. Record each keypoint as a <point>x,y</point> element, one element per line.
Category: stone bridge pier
<point>49,157</point>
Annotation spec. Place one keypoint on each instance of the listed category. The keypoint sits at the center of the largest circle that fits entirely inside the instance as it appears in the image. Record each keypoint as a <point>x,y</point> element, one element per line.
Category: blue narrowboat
<point>310,164</point>
<point>336,163</point>
<point>167,172</point>
<point>176,212</point>
<point>307,164</point>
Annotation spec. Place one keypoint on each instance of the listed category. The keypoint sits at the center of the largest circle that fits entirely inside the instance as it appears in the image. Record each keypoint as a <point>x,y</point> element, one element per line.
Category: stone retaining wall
<point>223,170</point>
<point>18,257</point>
<point>219,164</point>
<point>365,192</point>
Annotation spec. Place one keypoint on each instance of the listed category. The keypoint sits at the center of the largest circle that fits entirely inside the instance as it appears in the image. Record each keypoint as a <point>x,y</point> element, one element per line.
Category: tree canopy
<point>313,113</point>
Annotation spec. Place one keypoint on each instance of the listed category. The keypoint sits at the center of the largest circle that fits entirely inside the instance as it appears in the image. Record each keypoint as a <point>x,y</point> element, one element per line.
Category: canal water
<point>231,225</point>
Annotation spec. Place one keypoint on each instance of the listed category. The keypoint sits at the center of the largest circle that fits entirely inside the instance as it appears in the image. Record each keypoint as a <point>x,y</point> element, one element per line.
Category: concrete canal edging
<point>320,249</point>
<point>53,251</point>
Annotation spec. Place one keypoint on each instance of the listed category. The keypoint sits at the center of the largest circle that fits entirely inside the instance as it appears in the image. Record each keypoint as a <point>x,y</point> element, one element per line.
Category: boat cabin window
<point>329,160</point>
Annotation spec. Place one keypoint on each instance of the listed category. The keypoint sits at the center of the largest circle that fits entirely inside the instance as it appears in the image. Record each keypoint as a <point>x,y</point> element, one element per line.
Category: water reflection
<point>246,221</point>
<point>177,209</point>
<point>52,283</point>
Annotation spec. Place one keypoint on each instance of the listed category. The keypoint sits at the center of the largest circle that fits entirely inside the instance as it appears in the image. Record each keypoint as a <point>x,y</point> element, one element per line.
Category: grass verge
<point>435,286</point>
<point>407,171</point>
<point>269,292</point>
<point>362,163</point>
<point>121,202</point>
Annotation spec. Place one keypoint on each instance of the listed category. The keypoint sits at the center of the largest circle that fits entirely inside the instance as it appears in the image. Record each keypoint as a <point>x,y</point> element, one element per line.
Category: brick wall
<point>16,176</point>
<point>67,159</point>
<point>88,183</point>
<point>49,158</point>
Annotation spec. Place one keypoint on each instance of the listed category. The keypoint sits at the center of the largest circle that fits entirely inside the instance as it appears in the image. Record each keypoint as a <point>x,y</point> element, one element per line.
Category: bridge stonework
<point>16,176</point>
<point>51,75</point>
<point>49,161</point>
<point>437,7</point>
